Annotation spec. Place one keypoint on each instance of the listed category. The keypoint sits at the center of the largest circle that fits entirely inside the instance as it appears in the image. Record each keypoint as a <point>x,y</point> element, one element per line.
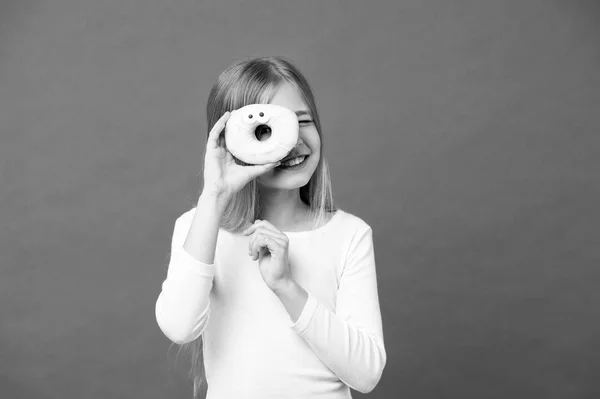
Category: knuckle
<point>264,223</point>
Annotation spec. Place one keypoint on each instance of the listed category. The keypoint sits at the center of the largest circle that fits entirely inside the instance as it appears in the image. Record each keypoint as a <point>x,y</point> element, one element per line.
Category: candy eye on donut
<point>250,118</point>
<point>262,118</point>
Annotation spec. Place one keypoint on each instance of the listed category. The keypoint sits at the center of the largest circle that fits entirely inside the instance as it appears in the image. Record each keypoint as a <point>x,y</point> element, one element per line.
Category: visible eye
<point>305,122</point>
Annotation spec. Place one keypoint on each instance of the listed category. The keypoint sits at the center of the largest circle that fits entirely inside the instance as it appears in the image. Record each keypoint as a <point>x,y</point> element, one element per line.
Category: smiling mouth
<point>293,162</point>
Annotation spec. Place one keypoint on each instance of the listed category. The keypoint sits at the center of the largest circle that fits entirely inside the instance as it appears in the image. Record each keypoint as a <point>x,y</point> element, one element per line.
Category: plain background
<point>465,132</point>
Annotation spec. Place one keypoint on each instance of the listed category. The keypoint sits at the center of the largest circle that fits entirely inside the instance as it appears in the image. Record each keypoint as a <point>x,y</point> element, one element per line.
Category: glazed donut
<point>247,125</point>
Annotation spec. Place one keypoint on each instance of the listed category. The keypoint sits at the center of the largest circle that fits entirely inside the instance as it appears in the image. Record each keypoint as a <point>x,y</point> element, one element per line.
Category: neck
<point>282,208</point>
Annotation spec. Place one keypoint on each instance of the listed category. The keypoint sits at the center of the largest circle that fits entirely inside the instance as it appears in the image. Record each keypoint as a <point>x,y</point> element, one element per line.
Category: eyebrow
<point>301,113</point>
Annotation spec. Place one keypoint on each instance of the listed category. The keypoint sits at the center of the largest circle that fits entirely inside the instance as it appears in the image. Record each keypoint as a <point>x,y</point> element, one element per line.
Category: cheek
<point>311,138</point>
<point>314,162</point>
<point>317,143</point>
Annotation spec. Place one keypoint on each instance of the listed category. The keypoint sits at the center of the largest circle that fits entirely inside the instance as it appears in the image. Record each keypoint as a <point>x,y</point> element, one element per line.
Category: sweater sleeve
<point>183,306</point>
<point>349,341</point>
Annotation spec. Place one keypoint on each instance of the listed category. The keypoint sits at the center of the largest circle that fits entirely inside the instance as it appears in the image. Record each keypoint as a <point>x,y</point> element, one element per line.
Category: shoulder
<point>185,219</point>
<point>356,237</point>
<point>352,224</point>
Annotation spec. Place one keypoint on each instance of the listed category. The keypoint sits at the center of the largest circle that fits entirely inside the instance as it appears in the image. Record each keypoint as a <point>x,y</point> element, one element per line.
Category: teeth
<point>293,161</point>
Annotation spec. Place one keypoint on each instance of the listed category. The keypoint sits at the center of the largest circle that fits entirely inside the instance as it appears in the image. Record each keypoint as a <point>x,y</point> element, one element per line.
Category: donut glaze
<point>240,133</point>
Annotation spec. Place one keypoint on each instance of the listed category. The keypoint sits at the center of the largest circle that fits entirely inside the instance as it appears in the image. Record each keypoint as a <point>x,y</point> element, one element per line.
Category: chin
<point>285,182</point>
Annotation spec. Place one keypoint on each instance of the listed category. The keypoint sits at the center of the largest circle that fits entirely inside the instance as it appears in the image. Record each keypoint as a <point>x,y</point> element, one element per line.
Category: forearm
<point>356,355</point>
<point>293,297</point>
<point>182,308</point>
<point>201,239</point>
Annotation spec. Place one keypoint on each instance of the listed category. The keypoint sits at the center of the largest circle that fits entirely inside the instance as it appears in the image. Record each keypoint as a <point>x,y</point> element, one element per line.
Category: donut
<point>261,133</point>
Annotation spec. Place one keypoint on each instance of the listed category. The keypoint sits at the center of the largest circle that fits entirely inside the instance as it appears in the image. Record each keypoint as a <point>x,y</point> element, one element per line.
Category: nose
<point>299,142</point>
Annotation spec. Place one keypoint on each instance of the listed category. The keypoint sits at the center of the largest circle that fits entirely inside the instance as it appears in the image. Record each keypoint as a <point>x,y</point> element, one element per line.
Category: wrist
<point>285,287</point>
<point>293,297</point>
<point>214,198</point>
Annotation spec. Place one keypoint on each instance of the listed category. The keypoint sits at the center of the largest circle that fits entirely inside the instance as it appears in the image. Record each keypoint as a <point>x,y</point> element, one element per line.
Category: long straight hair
<point>255,81</point>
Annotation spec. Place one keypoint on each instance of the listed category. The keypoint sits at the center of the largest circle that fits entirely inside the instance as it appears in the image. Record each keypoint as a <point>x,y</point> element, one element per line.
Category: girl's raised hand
<point>269,245</point>
<point>222,175</point>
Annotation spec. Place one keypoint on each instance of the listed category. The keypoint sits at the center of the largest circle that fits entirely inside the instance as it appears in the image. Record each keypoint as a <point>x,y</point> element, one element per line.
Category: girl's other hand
<point>222,175</point>
<point>269,245</point>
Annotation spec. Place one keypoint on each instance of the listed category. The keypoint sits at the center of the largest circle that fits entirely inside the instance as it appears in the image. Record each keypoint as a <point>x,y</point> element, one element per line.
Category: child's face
<point>309,144</point>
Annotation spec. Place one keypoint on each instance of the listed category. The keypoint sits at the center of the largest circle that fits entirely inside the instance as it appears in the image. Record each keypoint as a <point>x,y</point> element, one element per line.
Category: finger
<point>270,243</point>
<point>268,230</point>
<point>253,245</point>
<point>249,230</point>
<point>276,234</point>
<point>228,156</point>
<point>254,171</point>
<point>281,239</point>
<point>215,132</point>
<point>280,235</point>
<point>267,224</point>
<point>221,142</point>
<point>258,224</point>
<point>252,248</point>
<point>279,242</point>
<point>278,247</point>
<point>260,240</point>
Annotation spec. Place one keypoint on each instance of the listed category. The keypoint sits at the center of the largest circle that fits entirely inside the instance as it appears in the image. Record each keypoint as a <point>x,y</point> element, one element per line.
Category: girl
<point>272,285</point>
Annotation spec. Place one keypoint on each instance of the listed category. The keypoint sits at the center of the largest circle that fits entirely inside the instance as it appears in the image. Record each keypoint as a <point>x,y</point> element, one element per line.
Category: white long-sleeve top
<point>252,348</point>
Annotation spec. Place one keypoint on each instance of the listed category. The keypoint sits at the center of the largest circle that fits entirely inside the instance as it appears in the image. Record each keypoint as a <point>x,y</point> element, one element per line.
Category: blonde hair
<point>252,81</point>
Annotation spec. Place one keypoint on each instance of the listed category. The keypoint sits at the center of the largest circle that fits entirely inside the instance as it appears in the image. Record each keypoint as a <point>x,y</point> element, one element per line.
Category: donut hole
<point>262,132</point>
